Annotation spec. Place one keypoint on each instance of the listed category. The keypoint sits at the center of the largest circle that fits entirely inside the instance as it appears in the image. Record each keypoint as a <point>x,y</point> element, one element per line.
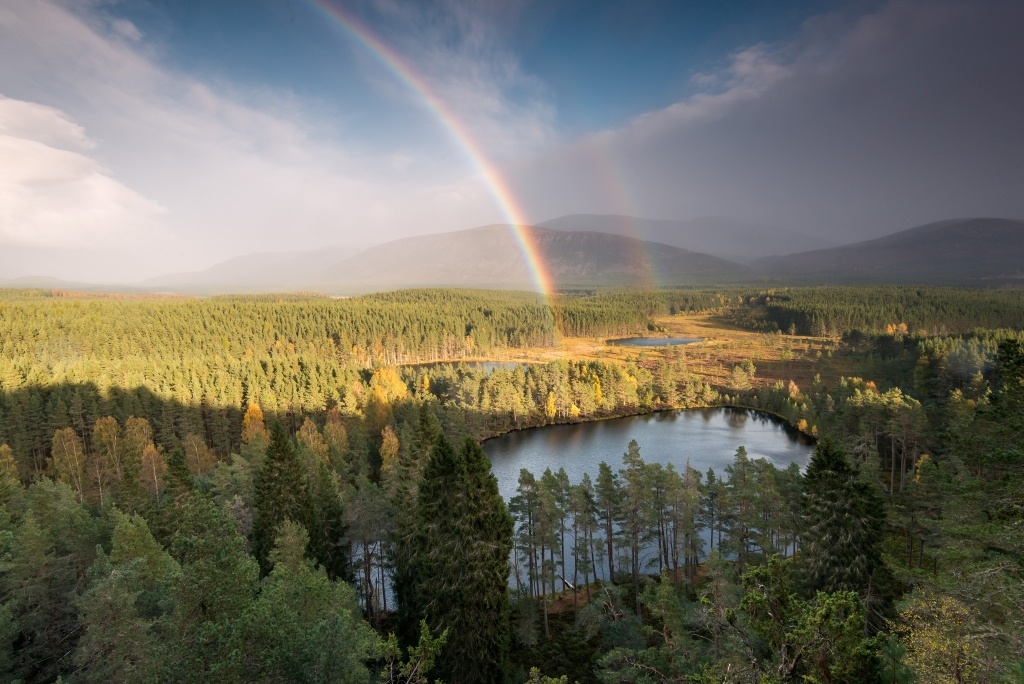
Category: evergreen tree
<point>456,577</point>
<point>327,542</point>
<point>607,497</point>
<point>216,585</point>
<point>279,494</point>
<point>843,519</point>
<point>119,610</point>
<point>632,508</point>
<point>303,626</point>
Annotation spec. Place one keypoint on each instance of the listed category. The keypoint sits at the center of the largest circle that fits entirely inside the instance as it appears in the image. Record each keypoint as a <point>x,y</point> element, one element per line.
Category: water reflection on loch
<point>653,341</point>
<point>708,438</point>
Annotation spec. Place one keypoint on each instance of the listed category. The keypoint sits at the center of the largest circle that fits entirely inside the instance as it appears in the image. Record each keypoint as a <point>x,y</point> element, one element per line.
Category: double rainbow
<point>496,185</point>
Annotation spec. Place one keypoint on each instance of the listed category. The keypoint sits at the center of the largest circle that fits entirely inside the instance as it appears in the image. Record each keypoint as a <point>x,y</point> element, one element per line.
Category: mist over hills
<point>490,256</point>
<point>51,283</point>
<point>974,251</point>
<point>259,272</point>
<point>724,237</point>
<point>979,251</point>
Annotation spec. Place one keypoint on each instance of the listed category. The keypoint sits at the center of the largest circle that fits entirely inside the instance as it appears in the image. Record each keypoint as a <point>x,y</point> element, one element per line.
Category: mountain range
<point>587,251</point>
<point>491,256</point>
<point>259,272</point>
<point>724,237</point>
<point>979,251</point>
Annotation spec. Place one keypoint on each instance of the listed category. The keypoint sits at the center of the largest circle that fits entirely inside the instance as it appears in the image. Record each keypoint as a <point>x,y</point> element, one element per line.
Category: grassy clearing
<point>722,346</point>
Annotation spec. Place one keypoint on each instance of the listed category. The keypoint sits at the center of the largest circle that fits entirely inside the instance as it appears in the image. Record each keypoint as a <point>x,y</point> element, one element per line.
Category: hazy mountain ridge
<point>726,238</point>
<point>257,272</point>
<point>491,256</point>
<point>981,251</point>
<point>975,250</point>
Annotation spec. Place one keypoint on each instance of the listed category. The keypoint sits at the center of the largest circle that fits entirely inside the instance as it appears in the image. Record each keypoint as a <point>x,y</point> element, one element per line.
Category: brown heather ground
<point>776,357</point>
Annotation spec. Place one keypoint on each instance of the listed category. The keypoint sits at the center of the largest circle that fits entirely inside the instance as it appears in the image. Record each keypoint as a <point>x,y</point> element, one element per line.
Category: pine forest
<point>293,489</point>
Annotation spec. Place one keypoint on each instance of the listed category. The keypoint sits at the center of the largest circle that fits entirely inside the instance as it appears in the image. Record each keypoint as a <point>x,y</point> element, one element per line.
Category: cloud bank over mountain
<point>133,146</point>
<point>859,126</point>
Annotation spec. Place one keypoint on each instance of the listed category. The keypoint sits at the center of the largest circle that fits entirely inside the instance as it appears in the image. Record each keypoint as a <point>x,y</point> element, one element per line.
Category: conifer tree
<point>11,493</point>
<point>608,495</point>
<point>632,508</point>
<point>842,524</point>
<point>302,627</point>
<point>456,576</point>
<point>217,582</point>
<point>279,494</point>
<point>119,610</point>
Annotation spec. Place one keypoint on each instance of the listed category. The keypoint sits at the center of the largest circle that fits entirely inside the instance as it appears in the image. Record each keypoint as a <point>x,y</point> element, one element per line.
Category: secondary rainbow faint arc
<point>495,183</point>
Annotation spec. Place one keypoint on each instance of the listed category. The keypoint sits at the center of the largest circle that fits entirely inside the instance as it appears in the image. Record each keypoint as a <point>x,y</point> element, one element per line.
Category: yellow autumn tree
<point>336,438</point>
<point>252,424</point>
<point>386,389</point>
<point>941,636</point>
<point>550,409</point>
<point>309,437</point>
<point>136,436</point>
<point>108,442</point>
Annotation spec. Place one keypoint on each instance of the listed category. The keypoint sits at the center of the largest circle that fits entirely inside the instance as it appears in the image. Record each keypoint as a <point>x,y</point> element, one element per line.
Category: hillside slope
<point>259,272</point>
<point>959,251</point>
<point>491,256</point>
<point>723,237</point>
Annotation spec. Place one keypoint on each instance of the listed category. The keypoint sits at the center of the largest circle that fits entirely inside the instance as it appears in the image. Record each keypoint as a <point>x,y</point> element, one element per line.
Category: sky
<point>140,137</point>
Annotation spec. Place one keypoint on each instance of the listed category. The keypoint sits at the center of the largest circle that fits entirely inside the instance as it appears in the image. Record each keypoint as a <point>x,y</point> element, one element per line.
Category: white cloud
<point>43,124</point>
<point>53,194</point>
<point>237,169</point>
<point>126,30</point>
<point>459,49</point>
<point>750,73</point>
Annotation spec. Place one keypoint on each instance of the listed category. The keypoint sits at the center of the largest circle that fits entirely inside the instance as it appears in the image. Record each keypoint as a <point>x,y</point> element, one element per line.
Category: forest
<point>292,488</point>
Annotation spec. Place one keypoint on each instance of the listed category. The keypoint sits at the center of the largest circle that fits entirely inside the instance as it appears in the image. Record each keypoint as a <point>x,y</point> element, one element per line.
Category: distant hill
<point>961,251</point>
<point>490,256</point>
<point>723,237</point>
<point>255,273</point>
<point>50,283</point>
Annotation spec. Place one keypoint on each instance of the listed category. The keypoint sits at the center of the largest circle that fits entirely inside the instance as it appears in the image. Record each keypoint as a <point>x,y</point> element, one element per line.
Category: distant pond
<point>485,366</point>
<point>653,341</point>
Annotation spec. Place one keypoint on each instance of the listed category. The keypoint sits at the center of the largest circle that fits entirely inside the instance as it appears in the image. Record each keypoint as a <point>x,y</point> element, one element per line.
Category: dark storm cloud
<point>862,125</point>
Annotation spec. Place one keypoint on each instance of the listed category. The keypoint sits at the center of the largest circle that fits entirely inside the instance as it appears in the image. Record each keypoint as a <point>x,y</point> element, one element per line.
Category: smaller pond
<point>485,366</point>
<point>653,341</point>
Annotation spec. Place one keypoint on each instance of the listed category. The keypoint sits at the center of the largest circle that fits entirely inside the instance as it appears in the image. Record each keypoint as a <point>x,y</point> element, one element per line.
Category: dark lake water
<point>653,341</point>
<point>708,438</point>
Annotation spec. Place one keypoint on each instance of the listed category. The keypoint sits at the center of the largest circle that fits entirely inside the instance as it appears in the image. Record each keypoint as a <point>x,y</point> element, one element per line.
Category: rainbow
<point>616,190</point>
<point>493,180</point>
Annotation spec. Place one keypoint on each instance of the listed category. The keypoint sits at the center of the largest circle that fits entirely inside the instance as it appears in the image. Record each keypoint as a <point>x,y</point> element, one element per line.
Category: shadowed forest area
<point>254,489</point>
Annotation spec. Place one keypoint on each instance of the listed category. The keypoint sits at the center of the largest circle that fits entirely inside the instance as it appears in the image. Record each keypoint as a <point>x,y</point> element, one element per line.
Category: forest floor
<point>722,346</point>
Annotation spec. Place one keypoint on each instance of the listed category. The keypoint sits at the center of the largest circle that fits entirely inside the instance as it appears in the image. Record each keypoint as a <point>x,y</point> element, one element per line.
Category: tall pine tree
<point>843,518</point>
<point>279,494</point>
<point>456,576</point>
